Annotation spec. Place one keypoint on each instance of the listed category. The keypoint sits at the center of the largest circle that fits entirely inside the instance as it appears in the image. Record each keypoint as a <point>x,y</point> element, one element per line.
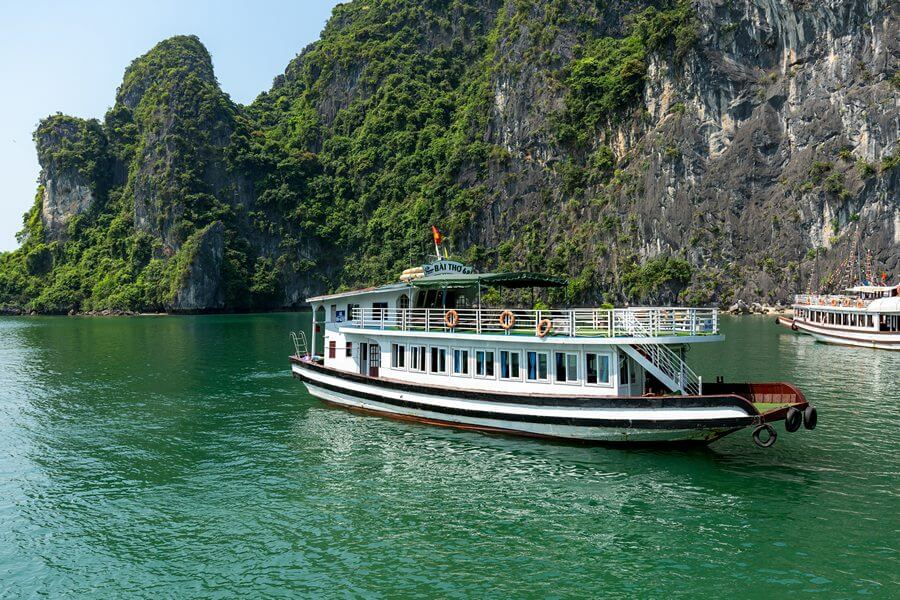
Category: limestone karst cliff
<point>649,151</point>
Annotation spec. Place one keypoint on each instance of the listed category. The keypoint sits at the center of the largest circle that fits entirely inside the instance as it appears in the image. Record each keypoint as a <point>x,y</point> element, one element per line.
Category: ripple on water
<point>178,457</point>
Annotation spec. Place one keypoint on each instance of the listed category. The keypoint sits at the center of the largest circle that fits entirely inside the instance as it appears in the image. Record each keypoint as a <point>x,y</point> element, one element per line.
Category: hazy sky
<point>69,57</point>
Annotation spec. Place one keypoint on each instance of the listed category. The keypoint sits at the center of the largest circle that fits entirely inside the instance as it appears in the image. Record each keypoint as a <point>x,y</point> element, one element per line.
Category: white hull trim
<point>438,409</point>
<point>850,337</point>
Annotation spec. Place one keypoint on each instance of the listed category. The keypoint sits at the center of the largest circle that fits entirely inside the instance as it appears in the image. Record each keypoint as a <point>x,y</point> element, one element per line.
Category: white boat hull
<point>621,420</point>
<point>849,337</point>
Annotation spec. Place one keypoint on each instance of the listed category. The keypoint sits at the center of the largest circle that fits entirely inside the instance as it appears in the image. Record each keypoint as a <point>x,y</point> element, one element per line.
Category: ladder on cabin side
<point>658,359</point>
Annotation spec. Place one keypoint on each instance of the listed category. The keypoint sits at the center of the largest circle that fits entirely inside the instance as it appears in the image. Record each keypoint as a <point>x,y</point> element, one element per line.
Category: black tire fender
<point>768,442</point>
<point>793,419</point>
<point>810,417</point>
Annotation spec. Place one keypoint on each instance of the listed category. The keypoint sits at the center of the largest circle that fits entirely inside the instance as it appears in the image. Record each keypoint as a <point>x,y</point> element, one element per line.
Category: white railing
<point>580,322</point>
<point>831,300</point>
<point>668,361</point>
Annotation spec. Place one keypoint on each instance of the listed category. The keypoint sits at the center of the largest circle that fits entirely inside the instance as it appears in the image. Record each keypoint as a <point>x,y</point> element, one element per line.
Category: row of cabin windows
<point>505,364</point>
<point>838,318</point>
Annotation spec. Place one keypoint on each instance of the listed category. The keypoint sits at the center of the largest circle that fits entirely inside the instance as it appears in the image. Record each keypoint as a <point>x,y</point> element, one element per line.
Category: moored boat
<point>864,315</point>
<point>428,350</point>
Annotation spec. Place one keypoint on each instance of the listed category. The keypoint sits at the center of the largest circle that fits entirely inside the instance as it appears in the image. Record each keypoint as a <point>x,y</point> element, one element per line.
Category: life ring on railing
<point>507,319</point>
<point>543,327</point>
<point>859,304</point>
<point>451,318</point>
<point>846,301</point>
<point>833,302</point>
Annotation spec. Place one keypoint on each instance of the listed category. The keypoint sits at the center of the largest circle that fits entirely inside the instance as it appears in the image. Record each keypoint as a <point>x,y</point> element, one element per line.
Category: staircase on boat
<point>658,359</point>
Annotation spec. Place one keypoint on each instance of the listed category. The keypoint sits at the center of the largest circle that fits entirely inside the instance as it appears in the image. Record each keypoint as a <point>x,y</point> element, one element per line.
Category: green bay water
<point>176,457</point>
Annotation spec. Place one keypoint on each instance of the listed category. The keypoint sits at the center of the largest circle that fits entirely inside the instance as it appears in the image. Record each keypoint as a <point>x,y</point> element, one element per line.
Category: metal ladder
<point>300,346</point>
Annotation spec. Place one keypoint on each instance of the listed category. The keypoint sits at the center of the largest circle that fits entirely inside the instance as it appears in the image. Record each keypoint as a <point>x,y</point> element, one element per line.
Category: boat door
<point>374,359</point>
<point>630,376</point>
<point>369,359</point>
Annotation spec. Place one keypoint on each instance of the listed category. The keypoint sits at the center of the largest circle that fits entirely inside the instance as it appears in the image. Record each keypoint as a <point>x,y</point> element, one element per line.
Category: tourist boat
<point>426,349</point>
<point>865,315</point>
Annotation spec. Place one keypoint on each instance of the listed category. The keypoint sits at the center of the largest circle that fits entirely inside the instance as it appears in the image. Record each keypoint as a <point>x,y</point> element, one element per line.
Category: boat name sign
<point>441,267</point>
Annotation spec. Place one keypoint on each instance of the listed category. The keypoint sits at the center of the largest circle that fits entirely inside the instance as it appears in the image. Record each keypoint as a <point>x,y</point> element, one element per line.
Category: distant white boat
<point>865,315</point>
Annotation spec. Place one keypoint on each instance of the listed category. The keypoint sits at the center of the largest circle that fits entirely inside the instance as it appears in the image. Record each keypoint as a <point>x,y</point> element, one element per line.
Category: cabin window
<point>333,313</point>
<point>460,362</point>
<point>509,364</point>
<point>350,309</point>
<point>537,366</point>
<point>566,367</point>
<point>349,350</point>
<point>438,360</point>
<point>403,301</point>
<point>332,349</point>
<point>398,356</point>
<point>596,368</point>
<point>417,358</point>
<point>484,363</point>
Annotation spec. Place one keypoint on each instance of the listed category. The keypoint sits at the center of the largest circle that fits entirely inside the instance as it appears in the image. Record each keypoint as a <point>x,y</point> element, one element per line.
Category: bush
<point>657,275</point>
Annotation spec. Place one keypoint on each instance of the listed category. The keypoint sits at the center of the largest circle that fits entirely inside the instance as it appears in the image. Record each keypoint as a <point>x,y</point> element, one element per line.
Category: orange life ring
<point>859,304</point>
<point>833,302</point>
<point>846,302</point>
<point>507,320</point>
<point>543,327</point>
<point>451,318</point>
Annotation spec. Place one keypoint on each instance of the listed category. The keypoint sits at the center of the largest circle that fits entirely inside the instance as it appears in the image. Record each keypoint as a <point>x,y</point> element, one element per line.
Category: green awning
<point>522,279</point>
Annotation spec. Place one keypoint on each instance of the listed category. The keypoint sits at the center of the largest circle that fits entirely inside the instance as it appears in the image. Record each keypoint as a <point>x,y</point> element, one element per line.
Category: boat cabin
<point>433,329</point>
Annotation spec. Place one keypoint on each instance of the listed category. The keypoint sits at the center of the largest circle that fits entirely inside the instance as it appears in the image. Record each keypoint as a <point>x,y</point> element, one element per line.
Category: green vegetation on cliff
<point>405,149</point>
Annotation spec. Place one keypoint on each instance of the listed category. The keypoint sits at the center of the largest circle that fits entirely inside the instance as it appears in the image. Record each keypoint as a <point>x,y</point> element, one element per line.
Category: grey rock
<point>201,288</point>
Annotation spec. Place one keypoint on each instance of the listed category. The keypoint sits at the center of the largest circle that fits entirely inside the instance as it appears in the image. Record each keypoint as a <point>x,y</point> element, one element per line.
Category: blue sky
<point>69,57</point>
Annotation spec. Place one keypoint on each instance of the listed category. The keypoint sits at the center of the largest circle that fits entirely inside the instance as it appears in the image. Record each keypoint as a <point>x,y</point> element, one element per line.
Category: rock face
<point>72,155</point>
<point>762,143</point>
<point>664,151</point>
<point>761,146</point>
<point>185,122</point>
<point>199,282</point>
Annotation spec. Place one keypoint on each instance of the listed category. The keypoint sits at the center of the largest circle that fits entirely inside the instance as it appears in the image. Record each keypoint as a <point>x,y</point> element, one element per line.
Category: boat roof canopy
<point>390,287</point>
<point>455,281</point>
<point>885,305</point>
<point>521,279</point>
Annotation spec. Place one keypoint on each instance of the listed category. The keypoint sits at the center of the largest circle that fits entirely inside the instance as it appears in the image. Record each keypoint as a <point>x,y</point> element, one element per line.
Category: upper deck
<point>649,322</point>
<point>889,303</point>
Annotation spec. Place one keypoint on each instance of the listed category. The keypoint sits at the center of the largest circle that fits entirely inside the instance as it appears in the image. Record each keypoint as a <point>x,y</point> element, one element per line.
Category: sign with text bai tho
<point>444,267</point>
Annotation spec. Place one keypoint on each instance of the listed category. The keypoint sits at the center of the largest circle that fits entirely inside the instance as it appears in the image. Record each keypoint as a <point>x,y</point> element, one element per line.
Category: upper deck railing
<point>578,322</point>
<point>831,300</point>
